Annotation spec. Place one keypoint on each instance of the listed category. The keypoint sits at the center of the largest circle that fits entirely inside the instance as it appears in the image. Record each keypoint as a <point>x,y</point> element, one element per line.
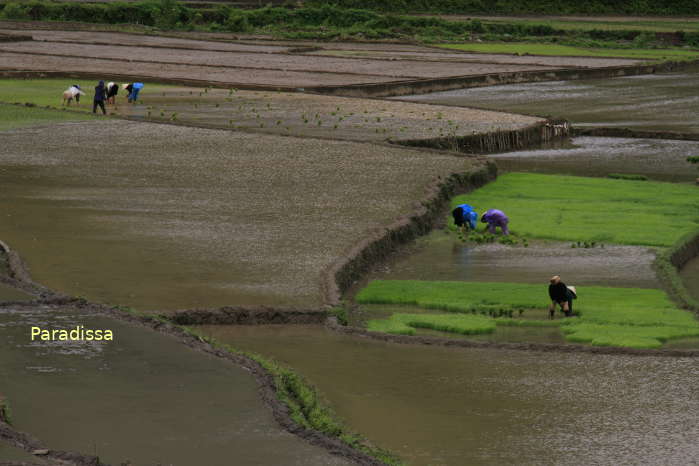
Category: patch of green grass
<point>49,92</point>
<point>405,324</point>
<point>16,116</point>
<point>532,48</point>
<point>570,208</point>
<point>629,336</point>
<point>453,296</point>
<point>632,317</point>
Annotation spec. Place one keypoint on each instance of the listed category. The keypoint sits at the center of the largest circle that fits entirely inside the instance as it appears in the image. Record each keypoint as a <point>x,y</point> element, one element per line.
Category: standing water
<point>447,406</point>
<point>659,102</point>
<point>142,397</point>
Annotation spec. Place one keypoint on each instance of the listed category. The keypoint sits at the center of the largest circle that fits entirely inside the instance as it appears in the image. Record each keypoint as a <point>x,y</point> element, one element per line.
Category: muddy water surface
<point>441,256</point>
<point>657,159</point>
<point>456,406</point>
<point>662,102</point>
<point>9,453</point>
<point>143,397</point>
<point>7,293</point>
<point>166,217</point>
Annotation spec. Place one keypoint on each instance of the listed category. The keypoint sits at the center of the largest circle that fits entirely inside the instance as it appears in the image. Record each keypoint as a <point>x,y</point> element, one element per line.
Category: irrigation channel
<point>147,399</point>
<point>428,404</point>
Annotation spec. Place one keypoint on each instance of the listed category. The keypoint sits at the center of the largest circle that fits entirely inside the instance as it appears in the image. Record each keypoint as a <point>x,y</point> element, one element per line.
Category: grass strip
<point>405,324</point>
<point>48,92</point>
<point>628,316</point>
<point>626,335</point>
<point>20,116</point>
<point>534,48</point>
<point>570,208</point>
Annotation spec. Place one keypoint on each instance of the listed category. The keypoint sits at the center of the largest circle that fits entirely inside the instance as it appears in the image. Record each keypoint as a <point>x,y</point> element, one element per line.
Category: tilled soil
<point>142,40</point>
<point>282,62</point>
<point>154,71</point>
<point>433,54</point>
<point>166,217</point>
<point>318,116</point>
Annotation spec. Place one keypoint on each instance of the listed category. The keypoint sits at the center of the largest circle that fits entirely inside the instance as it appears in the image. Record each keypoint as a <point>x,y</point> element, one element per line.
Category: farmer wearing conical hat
<point>561,295</point>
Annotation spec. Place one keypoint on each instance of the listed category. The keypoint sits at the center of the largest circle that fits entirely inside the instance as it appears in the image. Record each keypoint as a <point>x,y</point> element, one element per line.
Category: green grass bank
<point>629,317</point>
<point>19,116</point>
<point>569,208</point>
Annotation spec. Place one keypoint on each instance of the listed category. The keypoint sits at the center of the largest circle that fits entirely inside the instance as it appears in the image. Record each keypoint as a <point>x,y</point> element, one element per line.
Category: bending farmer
<point>133,89</point>
<point>562,295</point>
<point>496,218</point>
<point>465,215</point>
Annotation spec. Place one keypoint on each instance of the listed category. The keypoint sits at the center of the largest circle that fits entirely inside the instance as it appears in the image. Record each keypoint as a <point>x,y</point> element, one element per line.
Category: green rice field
<point>630,317</point>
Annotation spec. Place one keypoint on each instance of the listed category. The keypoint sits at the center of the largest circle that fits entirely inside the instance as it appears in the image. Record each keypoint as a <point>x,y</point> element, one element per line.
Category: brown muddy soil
<point>141,40</point>
<point>165,217</point>
<point>265,61</point>
<point>317,116</point>
<point>143,71</point>
<point>433,54</point>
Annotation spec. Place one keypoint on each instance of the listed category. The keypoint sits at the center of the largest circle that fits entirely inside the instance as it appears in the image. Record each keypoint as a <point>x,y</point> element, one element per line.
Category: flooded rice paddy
<point>8,293</point>
<point>445,406</point>
<point>311,115</point>
<point>442,256</point>
<point>164,217</point>
<point>661,102</point>
<point>143,397</point>
<point>657,159</point>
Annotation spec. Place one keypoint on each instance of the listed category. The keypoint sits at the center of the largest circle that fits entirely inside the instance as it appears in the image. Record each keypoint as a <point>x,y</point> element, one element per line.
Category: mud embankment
<point>425,86</point>
<point>342,274</point>
<point>633,133</point>
<point>32,445</point>
<point>498,141</point>
<point>19,277</point>
<point>670,262</point>
<point>230,315</point>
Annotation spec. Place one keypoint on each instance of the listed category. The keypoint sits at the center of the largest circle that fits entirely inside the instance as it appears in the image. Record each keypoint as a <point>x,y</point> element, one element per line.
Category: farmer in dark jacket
<point>100,96</point>
<point>560,294</point>
<point>465,215</point>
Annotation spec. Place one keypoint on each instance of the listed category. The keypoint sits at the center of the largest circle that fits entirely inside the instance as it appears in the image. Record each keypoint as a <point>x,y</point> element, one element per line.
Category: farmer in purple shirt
<point>496,218</point>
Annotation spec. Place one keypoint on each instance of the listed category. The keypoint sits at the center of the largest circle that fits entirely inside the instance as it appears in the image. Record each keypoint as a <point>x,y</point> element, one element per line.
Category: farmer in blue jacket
<point>465,215</point>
